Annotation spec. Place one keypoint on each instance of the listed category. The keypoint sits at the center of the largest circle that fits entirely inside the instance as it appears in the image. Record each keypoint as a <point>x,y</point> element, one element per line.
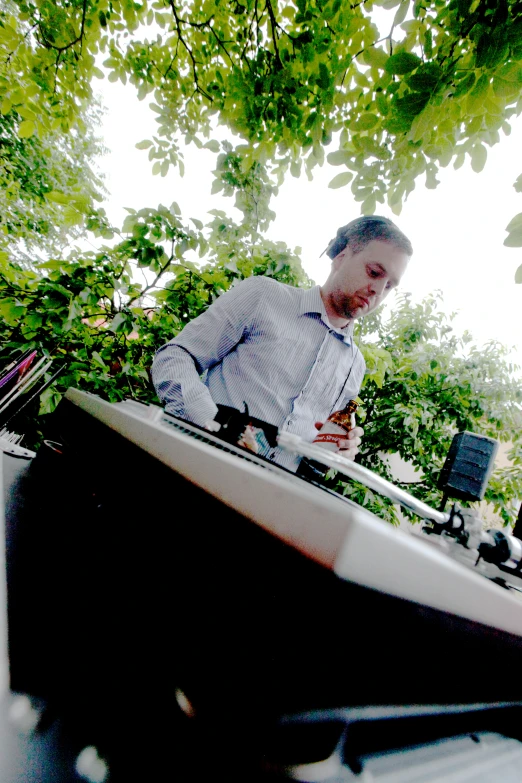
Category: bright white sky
<point>457,230</point>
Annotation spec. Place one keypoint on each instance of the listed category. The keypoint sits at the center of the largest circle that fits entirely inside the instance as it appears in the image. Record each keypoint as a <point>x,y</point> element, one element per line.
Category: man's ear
<point>340,257</point>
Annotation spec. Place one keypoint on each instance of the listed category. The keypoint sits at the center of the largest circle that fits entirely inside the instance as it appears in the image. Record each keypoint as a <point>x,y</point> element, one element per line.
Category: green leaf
<point>464,85</point>
<point>515,222</point>
<point>26,113</point>
<point>212,145</point>
<point>49,400</point>
<point>365,122</point>
<point>117,322</point>
<point>431,178</point>
<point>340,180</point>
<point>518,275</point>
<point>11,311</point>
<point>428,43</point>
<point>492,48</point>
<point>459,161</point>
<point>514,239</point>
<point>505,88</point>
<point>98,360</point>
<point>143,145</point>
<point>397,125</point>
<point>324,79</point>
<point>375,57</point>
<point>382,104</point>
<point>411,105</point>
<point>338,158</point>
<point>420,82</point>
<point>400,14</point>
<point>26,129</point>
<point>369,204</point>
<point>402,63</point>
<point>56,197</point>
<point>75,310</point>
<point>479,156</point>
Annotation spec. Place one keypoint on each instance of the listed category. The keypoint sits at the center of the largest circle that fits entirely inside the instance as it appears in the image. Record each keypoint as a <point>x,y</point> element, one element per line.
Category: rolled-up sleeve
<point>205,341</point>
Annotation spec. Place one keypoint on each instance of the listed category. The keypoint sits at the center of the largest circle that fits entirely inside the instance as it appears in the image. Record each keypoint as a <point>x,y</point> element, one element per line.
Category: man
<point>288,353</point>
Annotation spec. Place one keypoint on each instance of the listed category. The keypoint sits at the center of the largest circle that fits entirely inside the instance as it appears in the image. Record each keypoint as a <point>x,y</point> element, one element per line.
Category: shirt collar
<point>311,302</point>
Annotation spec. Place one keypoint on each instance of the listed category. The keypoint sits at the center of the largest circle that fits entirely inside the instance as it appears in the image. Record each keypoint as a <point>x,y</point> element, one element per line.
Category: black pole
<point>517,530</point>
<point>445,497</point>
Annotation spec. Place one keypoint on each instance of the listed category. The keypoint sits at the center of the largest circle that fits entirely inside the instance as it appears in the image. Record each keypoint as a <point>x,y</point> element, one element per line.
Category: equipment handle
<point>355,471</point>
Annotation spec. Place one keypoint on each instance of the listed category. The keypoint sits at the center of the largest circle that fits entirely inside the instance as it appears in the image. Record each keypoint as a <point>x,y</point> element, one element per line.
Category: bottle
<point>337,425</point>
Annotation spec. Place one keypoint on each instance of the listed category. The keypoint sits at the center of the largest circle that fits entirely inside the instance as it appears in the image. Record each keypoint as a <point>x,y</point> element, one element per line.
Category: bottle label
<point>327,437</point>
<point>336,427</point>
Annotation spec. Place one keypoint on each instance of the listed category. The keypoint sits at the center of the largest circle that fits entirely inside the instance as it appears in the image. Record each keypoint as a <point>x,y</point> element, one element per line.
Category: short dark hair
<point>359,232</point>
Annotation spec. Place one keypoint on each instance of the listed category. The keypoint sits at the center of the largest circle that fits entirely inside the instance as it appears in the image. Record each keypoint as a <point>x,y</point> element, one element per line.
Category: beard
<point>355,306</point>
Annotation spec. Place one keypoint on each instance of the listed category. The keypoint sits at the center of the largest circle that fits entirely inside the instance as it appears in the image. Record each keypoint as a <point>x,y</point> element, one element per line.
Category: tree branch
<point>189,52</point>
<point>273,26</point>
<point>26,35</point>
<point>79,38</point>
<point>152,285</point>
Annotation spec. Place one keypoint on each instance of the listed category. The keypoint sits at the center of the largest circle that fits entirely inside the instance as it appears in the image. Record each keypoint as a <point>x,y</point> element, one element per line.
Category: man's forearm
<point>179,386</point>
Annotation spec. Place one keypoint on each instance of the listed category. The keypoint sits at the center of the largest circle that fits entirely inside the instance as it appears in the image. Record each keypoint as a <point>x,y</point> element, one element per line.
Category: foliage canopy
<point>397,88</point>
<point>424,384</point>
<point>47,177</point>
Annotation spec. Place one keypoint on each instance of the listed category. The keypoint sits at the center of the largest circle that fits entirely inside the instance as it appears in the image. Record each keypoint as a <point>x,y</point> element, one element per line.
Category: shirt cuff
<point>198,411</point>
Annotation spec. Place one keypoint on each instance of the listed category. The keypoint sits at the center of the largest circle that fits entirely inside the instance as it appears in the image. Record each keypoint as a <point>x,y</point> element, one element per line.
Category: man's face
<point>359,282</point>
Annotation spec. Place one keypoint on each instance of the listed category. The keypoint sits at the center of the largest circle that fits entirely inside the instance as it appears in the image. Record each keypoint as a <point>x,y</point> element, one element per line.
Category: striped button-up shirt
<point>269,345</point>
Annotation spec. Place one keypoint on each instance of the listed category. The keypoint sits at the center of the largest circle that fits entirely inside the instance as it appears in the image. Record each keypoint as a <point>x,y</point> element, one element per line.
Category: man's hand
<point>212,426</point>
<point>248,439</point>
<point>348,446</point>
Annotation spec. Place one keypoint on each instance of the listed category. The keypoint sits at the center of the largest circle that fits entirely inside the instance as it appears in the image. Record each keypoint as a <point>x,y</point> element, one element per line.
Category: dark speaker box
<point>468,466</point>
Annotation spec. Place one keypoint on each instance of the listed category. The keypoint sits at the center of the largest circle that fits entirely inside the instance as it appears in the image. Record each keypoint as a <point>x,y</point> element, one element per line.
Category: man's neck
<point>333,318</point>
